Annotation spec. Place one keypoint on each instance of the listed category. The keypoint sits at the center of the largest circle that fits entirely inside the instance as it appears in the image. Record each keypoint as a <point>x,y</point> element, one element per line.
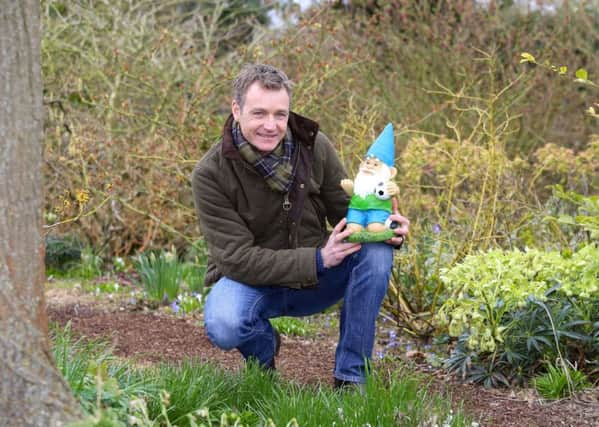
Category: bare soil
<point>149,336</point>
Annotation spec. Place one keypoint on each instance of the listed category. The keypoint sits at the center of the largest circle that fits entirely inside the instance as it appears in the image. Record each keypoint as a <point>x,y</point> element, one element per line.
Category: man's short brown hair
<point>269,77</point>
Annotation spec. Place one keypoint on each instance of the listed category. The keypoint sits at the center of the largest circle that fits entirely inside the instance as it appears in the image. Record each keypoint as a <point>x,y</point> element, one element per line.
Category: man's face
<point>263,117</point>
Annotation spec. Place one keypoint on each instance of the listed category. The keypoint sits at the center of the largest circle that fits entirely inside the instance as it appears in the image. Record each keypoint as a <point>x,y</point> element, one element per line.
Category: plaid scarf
<point>275,167</point>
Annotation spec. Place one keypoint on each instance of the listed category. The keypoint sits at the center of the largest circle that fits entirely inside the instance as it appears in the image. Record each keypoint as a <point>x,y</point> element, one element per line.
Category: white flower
<point>202,413</point>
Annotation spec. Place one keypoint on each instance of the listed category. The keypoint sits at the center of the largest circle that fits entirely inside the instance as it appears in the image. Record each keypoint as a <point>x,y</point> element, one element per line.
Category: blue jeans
<point>236,315</point>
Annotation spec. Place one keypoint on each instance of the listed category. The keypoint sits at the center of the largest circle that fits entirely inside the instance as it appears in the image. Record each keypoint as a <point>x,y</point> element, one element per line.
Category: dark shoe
<point>343,385</point>
<point>270,366</point>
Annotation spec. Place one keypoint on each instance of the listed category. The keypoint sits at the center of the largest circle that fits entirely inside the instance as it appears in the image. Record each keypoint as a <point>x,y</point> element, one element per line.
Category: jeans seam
<point>343,355</point>
<point>253,314</point>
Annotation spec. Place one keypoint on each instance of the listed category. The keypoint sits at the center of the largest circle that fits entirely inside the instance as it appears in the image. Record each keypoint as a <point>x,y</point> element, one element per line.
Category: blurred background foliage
<point>136,91</point>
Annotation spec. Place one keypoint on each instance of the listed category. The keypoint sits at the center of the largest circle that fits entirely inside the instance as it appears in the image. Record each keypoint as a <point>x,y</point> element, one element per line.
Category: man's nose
<point>270,122</point>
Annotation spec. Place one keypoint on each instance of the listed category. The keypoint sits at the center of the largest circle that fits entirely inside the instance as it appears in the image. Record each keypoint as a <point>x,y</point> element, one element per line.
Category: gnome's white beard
<point>365,184</point>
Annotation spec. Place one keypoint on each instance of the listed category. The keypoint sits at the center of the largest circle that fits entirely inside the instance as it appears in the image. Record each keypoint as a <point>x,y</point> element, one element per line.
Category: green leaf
<point>582,74</point>
<point>527,57</point>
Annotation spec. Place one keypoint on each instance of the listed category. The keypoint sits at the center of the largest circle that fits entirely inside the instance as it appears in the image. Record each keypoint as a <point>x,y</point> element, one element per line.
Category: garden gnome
<point>371,191</point>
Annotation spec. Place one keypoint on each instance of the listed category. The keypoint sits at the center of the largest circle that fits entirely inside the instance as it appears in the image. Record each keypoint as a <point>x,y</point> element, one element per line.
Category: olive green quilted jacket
<point>258,236</point>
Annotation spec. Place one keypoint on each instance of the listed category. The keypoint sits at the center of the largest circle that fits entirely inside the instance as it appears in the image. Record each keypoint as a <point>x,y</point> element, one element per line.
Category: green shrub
<point>89,266</point>
<point>559,382</point>
<point>192,275</point>
<point>62,252</point>
<point>587,207</point>
<point>160,275</point>
<point>514,309</point>
<point>416,291</point>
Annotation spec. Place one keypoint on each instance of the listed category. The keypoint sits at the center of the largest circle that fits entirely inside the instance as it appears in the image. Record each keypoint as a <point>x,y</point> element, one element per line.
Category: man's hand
<point>404,225</point>
<point>335,249</point>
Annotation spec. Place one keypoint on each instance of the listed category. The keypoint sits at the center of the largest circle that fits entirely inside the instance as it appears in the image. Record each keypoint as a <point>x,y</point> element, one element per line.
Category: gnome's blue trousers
<point>365,217</point>
<point>237,315</point>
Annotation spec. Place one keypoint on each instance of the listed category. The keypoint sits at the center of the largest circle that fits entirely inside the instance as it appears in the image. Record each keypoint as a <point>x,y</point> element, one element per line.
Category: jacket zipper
<point>286,203</point>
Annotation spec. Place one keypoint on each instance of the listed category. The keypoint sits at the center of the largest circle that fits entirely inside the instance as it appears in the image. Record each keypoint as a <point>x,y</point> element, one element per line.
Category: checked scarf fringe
<point>276,167</point>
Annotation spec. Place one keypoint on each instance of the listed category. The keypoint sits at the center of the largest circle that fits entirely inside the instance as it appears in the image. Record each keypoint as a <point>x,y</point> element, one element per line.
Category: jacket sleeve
<point>335,199</point>
<point>232,247</point>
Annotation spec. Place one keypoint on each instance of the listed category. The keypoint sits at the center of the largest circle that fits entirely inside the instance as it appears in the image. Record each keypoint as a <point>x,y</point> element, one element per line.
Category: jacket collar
<point>303,129</point>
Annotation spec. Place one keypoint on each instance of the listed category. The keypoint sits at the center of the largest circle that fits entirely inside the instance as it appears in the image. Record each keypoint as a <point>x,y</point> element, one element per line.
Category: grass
<point>115,392</point>
<point>293,326</point>
<point>160,275</point>
<point>558,382</point>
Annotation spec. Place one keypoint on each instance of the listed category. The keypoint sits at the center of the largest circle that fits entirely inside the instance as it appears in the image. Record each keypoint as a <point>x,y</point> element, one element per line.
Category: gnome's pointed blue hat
<point>383,148</point>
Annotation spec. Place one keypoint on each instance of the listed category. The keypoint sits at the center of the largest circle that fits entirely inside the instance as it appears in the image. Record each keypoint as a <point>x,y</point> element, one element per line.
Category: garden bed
<point>150,336</point>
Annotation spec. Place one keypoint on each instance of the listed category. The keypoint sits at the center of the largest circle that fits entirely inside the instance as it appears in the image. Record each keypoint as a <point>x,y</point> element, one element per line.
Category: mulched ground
<point>150,336</point>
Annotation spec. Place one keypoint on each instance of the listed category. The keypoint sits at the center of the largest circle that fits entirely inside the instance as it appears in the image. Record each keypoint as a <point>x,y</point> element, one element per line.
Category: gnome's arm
<point>392,188</point>
<point>348,186</point>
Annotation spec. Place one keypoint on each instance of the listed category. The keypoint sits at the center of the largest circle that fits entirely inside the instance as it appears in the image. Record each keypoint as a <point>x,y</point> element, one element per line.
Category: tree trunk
<point>32,391</point>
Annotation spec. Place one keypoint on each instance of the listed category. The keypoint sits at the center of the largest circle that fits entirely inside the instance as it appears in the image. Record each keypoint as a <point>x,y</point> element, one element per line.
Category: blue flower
<point>175,307</point>
<point>437,229</point>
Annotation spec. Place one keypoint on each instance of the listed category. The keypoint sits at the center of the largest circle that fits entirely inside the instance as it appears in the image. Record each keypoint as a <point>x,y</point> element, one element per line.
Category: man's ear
<point>393,172</point>
<point>235,109</point>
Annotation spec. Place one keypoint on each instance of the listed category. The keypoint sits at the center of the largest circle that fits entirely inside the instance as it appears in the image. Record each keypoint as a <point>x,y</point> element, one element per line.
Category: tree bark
<point>32,391</point>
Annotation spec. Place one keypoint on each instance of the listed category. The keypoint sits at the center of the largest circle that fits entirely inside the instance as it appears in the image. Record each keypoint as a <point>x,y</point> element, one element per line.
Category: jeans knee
<point>223,327</point>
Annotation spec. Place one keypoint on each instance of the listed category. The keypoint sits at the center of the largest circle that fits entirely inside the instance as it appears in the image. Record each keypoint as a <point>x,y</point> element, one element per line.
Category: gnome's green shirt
<point>369,202</point>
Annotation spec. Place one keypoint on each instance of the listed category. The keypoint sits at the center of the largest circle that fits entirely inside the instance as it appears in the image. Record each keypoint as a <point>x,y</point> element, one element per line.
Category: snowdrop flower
<point>203,413</point>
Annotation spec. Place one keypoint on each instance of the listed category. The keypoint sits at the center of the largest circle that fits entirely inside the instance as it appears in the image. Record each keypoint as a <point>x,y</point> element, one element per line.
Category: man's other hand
<point>404,225</point>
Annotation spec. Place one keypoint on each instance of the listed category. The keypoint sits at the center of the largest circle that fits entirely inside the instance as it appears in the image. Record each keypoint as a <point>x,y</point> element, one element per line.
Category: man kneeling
<point>263,196</point>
